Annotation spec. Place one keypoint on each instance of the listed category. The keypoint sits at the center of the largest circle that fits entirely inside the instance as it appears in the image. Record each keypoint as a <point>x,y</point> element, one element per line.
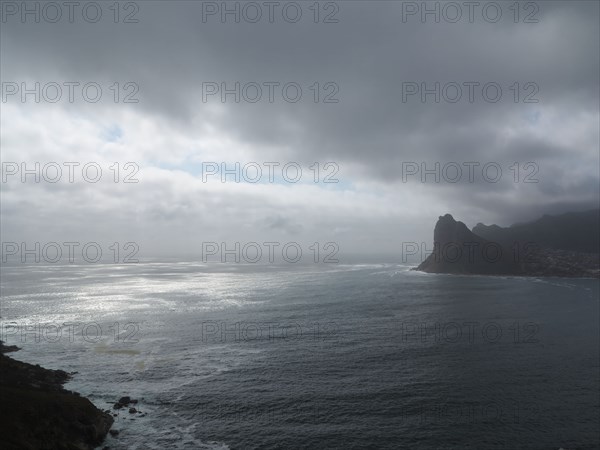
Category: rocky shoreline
<point>37,413</point>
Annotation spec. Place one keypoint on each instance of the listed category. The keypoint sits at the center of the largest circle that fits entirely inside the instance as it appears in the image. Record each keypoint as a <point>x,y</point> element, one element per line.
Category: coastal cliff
<point>37,413</point>
<point>553,246</point>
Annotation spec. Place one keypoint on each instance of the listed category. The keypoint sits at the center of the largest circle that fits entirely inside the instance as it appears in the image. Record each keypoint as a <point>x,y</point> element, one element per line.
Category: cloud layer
<point>378,133</point>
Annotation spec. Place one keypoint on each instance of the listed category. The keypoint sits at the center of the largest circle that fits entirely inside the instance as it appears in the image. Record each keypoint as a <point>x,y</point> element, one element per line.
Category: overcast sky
<point>369,60</point>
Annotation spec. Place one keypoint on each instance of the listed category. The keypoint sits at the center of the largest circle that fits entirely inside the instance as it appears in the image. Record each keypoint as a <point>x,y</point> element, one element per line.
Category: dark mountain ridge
<point>574,231</point>
<point>563,246</point>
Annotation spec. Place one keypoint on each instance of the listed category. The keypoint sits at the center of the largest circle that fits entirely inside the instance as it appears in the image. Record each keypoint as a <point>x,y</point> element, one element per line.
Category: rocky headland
<point>553,246</point>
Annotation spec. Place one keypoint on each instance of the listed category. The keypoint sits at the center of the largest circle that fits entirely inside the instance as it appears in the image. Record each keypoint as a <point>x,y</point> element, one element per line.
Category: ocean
<point>338,356</point>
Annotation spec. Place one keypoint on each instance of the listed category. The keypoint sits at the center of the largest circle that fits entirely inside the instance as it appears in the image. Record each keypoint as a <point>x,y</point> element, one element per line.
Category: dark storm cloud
<point>369,54</point>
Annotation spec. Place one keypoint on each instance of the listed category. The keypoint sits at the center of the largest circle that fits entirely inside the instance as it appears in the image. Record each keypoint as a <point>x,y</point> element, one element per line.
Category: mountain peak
<point>565,245</point>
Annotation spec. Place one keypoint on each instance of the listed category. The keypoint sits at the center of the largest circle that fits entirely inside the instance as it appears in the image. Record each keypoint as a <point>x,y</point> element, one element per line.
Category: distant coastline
<point>565,246</point>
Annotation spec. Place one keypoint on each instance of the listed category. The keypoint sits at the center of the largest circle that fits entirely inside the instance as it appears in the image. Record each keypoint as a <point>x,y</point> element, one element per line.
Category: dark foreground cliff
<point>543,248</point>
<point>37,413</point>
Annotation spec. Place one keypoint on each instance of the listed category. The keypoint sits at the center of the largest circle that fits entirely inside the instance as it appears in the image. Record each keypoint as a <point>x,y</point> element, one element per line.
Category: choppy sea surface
<point>322,356</point>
